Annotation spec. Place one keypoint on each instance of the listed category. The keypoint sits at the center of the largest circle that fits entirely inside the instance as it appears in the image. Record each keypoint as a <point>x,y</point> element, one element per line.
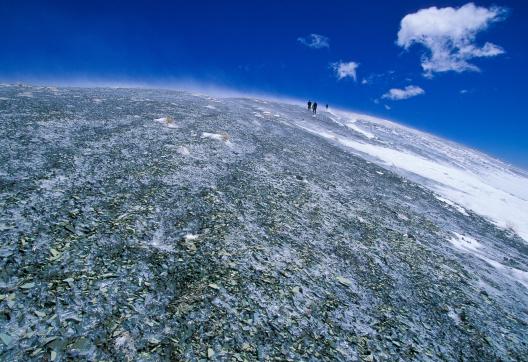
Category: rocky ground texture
<point>157,225</point>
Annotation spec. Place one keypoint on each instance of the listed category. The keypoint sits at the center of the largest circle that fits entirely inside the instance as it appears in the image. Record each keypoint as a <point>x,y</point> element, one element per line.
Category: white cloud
<point>449,35</point>
<point>463,91</point>
<point>315,41</point>
<point>345,69</point>
<point>397,94</point>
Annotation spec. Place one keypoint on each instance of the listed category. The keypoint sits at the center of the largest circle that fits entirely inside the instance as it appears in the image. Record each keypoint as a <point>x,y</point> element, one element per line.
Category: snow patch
<point>158,241</point>
<point>224,137</point>
<point>166,121</point>
<point>52,183</point>
<point>472,246</point>
<point>361,131</point>
<point>458,208</point>
<point>190,237</point>
<point>513,273</point>
<point>184,151</point>
<point>465,242</point>
<point>402,217</point>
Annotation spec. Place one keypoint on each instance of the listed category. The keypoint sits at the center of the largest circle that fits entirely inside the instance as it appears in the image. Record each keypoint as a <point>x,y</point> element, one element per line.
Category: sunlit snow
<point>461,175</point>
<point>468,244</point>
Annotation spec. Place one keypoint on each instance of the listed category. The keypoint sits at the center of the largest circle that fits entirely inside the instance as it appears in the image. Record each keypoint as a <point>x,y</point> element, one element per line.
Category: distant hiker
<point>327,107</point>
<point>309,105</point>
<point>314,107</point>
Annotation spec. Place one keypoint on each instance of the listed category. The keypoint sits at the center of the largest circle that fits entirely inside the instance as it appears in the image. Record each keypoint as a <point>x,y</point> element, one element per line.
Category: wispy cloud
<point>345,69</point>
<point>449,35</point>
<point>397,94</point>
<point>384,77</point>
<point>315,41</point>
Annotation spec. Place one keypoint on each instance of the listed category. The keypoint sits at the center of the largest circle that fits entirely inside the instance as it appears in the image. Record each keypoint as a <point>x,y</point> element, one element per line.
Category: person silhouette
<point>314,107</point>
<point>309,105</point>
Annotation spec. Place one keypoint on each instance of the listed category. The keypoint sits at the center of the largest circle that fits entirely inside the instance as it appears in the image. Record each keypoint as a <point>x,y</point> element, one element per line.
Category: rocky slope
<point>158,225</point>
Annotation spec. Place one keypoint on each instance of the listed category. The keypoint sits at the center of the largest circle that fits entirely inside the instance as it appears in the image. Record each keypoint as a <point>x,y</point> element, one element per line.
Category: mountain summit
<point>160,225</point>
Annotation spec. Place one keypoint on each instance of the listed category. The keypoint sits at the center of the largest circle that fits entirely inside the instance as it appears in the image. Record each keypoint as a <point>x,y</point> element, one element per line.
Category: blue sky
<point>462,67</point>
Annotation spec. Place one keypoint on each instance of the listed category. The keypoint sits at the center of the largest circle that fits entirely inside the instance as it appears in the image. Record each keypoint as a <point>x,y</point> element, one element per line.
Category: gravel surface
<point>150,225</point>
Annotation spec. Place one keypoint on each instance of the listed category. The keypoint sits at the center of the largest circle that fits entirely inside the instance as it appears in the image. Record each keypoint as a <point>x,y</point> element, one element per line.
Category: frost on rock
<point>305,240</point>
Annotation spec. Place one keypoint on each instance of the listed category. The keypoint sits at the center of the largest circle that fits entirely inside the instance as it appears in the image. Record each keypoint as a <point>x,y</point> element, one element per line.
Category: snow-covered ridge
<point>463,176</point>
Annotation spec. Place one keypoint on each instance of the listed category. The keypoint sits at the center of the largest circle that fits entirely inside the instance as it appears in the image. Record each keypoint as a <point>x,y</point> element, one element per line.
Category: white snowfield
<point>464,177</point>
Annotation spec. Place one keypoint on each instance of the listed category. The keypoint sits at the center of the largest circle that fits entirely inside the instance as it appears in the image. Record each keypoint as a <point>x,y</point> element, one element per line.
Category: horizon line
<point>221,91</point>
